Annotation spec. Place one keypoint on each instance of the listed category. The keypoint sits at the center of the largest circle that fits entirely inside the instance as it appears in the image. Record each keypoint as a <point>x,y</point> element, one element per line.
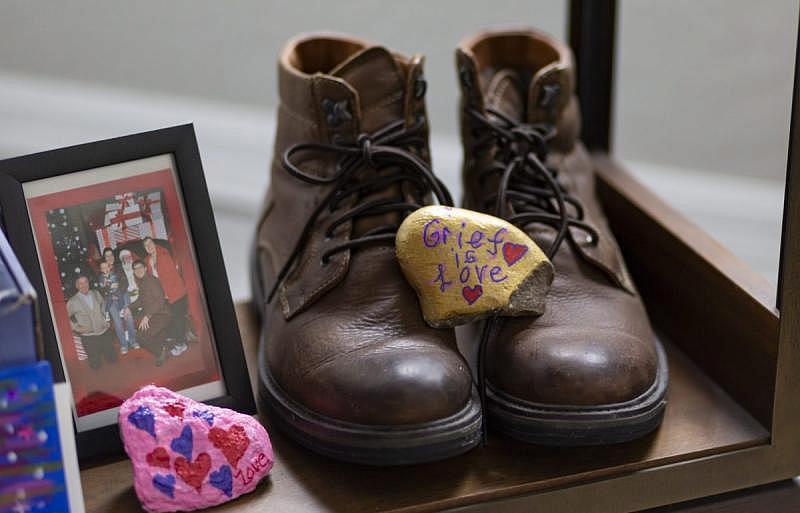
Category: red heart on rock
<point>159,457</point>
<point>471,294</point>
<point>233,442</point>
<point>513,252</point>
<point>175,409</point>
<point>193,473</point>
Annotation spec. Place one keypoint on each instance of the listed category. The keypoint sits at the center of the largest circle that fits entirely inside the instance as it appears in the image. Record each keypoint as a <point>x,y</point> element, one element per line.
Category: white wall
<point>225,50</point>
<point>706,85</point>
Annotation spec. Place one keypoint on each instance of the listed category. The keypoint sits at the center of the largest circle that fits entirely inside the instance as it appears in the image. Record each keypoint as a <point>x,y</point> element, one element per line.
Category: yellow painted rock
<point>466,265</point>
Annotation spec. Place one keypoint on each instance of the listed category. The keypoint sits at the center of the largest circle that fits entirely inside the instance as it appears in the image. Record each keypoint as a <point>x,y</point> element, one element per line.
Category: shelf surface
<point>700,420</point>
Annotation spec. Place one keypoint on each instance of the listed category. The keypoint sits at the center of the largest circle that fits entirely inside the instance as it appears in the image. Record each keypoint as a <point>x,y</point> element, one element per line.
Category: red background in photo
<point>108,386</point>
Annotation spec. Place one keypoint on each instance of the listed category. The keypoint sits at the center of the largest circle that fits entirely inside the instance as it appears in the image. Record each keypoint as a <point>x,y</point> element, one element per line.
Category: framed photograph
<point>118,237</point>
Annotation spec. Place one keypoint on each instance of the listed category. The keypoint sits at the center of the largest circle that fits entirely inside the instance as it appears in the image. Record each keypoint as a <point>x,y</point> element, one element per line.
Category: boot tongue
<point>504,94</point>
<point>376,76</point>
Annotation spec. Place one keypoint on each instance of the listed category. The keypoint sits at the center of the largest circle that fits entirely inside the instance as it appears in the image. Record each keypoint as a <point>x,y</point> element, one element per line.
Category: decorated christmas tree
<point>70,251</point>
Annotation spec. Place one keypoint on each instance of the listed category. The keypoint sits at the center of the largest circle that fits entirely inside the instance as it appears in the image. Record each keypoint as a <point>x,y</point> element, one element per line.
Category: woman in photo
<point>161,265</point>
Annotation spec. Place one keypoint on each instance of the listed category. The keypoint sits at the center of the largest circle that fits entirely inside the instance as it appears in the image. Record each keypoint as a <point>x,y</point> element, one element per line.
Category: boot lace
<point>528,190</point>
<point>372,162</point>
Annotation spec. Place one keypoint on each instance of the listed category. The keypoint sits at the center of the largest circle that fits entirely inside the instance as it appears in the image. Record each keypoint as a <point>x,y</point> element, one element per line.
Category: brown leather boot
<point>589,370</point>
<point>348,366</point>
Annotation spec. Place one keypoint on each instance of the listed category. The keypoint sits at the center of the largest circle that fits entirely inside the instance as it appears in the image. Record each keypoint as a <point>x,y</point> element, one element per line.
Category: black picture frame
<point>180,141</point>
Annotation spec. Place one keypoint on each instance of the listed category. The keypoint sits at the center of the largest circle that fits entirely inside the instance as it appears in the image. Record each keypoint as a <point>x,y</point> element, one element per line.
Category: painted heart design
<point>205,415</point>
<point>175,409</point>
<point>183,445</point>
<point>233,443</point>
<point>185,467</point>
<point>193,473</point>
<point>222,479</point>
<point>513,252</point>
<point>165,483</point>
<point>471,294</point>
<point>158,457</point>
<point>143,419</point>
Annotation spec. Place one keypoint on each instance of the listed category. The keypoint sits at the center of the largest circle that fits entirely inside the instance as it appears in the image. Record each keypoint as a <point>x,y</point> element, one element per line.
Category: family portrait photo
<point>123,285</point>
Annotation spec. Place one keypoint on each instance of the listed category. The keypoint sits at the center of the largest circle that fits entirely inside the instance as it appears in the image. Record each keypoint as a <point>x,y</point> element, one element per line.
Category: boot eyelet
<point>336,111</point>
<point>549,96</point>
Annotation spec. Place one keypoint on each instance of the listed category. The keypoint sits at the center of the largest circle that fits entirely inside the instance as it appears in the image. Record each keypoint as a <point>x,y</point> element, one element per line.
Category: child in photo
<point>117,302</point>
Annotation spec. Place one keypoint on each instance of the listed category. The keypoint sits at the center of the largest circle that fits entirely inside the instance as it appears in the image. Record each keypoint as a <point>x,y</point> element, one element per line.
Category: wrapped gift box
<point>130,217</point>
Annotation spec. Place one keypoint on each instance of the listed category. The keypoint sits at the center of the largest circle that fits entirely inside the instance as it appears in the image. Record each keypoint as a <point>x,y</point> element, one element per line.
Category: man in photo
<point>162,266</point>
<point>152,313</point>
<point>116,298</point>
<point>87,314</point>
<point>126,261</point>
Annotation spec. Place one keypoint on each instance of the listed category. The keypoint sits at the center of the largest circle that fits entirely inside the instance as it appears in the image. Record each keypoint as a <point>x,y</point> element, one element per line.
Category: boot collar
<point>345,85</point>
<point>546,64</point>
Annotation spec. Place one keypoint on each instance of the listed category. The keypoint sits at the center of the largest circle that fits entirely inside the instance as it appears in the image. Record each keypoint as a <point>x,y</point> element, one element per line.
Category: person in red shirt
<point>160,264</point>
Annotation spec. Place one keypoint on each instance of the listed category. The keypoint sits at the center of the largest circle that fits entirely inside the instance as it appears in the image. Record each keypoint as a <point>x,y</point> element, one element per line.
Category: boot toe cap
<point>574,366</point>
<point>400,382</point>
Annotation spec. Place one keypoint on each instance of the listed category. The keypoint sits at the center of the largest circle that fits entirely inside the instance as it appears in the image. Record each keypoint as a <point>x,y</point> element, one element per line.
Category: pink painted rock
<point>188,455</point>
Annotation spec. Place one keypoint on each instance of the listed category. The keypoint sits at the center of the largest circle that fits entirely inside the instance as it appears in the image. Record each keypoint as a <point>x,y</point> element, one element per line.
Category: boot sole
<point>570,426</point>
<point>359,443</point>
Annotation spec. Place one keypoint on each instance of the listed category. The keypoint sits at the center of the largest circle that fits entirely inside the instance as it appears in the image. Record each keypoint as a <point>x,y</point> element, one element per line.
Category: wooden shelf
<point>700,419</point>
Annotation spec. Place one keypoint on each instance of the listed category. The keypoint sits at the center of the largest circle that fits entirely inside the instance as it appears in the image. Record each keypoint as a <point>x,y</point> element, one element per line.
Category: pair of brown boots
<point>348,367</point>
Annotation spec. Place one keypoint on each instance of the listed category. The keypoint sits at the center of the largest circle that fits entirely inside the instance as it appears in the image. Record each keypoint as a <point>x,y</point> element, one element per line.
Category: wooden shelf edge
<point>693,237</point>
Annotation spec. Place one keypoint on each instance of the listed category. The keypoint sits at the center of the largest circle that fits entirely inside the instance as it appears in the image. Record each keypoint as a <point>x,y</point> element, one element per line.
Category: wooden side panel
<point>700,295</point>
<point>787,407</point>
